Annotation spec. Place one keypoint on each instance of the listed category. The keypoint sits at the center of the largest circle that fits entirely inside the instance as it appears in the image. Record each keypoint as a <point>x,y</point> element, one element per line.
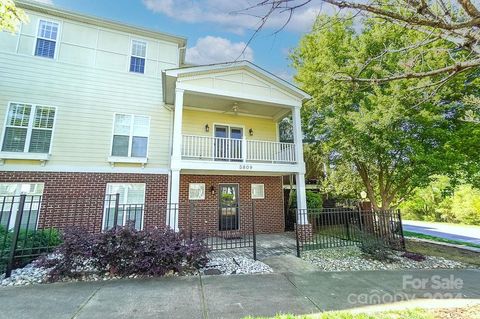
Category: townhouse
<point>93,108</point>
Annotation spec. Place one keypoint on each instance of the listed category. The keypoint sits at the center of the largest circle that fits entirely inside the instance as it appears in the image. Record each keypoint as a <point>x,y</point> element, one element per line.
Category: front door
<point>228,207</point>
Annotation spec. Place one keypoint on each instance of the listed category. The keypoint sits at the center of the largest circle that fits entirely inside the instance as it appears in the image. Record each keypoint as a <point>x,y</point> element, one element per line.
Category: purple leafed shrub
<point>125,251</point>
<point>413,256</point>
<point>75,250</point>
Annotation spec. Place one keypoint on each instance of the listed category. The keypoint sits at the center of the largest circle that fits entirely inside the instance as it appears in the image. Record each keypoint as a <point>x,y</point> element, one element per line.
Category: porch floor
<point>267,245</point>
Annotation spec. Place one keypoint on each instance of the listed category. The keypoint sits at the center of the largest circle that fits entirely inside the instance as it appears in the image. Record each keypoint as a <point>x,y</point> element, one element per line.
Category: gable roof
<point>238,65</point>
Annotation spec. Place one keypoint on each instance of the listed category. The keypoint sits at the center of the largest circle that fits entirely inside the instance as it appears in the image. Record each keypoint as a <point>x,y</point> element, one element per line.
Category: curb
<point>474,249</point>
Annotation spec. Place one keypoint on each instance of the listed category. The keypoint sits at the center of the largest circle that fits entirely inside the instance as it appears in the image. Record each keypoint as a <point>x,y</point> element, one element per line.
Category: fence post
<point>296,232</point>
<point>401,229</point>
<point>115,213</point>
<point>347,225</point>
<point>254,233</point>
<point>190,216</point>
<point>360,217</point>
<point>16,232</point>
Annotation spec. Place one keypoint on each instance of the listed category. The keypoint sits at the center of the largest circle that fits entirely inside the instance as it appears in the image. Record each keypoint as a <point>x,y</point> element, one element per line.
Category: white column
<point>175,162</point>
<point>177,129</point>
<point>300,175</point>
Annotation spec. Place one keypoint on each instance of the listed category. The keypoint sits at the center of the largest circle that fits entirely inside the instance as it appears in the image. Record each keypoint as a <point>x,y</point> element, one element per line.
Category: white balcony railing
<point>237,150</point>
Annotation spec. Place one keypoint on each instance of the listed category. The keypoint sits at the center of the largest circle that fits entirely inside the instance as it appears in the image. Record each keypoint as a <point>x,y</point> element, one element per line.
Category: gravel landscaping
<point>352,259</point>
<point>235,265</point>
<point>31,274</point>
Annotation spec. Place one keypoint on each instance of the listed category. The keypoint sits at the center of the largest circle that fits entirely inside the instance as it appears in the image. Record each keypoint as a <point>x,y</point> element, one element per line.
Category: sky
<point>216,30</point>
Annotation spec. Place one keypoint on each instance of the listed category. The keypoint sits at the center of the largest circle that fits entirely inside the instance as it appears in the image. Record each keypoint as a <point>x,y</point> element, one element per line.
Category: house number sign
<point>246,167</point>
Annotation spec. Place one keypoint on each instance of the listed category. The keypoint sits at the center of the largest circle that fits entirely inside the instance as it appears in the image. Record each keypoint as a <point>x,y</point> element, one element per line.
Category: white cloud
<point>232,16</point>
<point>50,2</point>
<point>211,49</point>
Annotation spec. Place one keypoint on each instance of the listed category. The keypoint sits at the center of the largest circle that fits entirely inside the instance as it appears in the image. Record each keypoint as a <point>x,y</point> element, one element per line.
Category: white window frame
<point>262,196</point>
<point>201,185</point>
<point>125,197</point>
<point>18,192</point>
<point>130,55</point>
<point>112,157</point>
<point>29,128</point>
<point>55,53</point>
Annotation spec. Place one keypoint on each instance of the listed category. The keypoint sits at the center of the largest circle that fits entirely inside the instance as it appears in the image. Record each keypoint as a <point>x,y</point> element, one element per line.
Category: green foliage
<point>441,202</point>
<point>314,200</point>
<point>10,16</point>
<point>30,243</point>
<point>374,247</point>
<point>392,136</point>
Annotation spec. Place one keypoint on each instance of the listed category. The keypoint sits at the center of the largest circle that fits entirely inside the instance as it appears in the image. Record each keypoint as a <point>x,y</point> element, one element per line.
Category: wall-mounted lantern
<point>250,131</point>
<point>212,190</point>
<point>207,128</point>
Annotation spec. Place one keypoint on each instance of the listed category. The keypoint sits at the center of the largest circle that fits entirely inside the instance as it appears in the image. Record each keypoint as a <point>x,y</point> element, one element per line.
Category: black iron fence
<point>32,225</point>
<point>328,228</point>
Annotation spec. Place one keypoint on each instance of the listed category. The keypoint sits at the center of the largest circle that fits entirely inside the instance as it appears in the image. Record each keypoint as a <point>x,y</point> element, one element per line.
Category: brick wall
<point>269,212</point>
<point>78,198</point>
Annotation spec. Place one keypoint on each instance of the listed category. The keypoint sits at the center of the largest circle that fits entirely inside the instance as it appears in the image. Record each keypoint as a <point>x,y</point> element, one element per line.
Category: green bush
<point>314,200</point>
<point>30,243</point>
<point>374,247</point>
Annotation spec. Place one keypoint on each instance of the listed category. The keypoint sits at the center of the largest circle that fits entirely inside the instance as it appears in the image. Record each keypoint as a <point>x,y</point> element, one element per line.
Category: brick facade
<point>78,198</point>
<point>269,212</point>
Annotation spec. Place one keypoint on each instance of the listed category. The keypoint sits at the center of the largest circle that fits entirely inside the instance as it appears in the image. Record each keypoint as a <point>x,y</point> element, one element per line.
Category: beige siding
<point>194,124</point>
<point>86,100</point>
<point>88,45</point>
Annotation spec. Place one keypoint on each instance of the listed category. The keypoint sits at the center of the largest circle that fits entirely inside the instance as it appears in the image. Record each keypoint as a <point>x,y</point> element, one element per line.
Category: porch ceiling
<point>226,106</point>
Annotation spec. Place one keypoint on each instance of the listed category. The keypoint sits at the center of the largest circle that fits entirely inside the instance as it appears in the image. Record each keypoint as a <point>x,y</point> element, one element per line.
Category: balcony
<point>206,148</point>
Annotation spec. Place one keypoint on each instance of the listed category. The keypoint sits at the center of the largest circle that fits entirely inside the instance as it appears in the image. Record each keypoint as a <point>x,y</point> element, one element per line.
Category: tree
<point>454,24</point>
<point>389,132</point>
<point>10,16</point>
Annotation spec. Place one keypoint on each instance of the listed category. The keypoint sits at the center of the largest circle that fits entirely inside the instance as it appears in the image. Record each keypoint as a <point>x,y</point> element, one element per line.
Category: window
<point>130,135</point>
<point>137,60</point>
<point>196,191</point>
<point>130,206</point>
<point>28,128</point>
<point>46,39</point>
<point>258,191</point>
<point>10,198</point>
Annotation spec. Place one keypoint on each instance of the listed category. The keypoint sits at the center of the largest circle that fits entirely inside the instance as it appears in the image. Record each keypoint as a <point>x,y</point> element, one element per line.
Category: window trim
<point>57,47</point>
<point>123,221</point>
<point>251,191</point>
<point>204,191</point>
<point>130,55</point>
<point>28,154</point>
<point>129,159</point>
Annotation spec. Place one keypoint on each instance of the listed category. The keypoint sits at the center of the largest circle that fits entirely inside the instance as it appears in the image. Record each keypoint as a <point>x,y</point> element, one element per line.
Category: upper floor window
<point>46,39</point>
<point>130,135</point>
<point>28,128</point>
<point>137,60</point>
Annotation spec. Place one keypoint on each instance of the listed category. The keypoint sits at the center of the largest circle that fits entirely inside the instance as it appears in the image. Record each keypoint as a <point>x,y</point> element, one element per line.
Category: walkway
<point>229,296</point>
<point>449,231</point>
<point>268,245</point>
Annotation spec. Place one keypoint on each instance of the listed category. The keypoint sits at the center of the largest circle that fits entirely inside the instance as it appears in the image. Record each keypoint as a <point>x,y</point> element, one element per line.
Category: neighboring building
<point>94,107</point>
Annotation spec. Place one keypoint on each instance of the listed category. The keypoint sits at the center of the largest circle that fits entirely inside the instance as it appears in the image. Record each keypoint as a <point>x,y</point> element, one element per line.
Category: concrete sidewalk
<point>232,296</point>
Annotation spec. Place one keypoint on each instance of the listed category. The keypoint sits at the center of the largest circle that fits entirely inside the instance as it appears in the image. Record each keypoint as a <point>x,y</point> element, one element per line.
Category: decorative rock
<point>236,265</point>
<point>352,259</point>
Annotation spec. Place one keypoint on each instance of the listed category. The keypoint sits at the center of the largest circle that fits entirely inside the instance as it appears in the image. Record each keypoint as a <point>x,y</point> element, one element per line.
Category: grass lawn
<point>435,238</point>
<point>462,255</point>
<point>403,314</point>
<point>467,312</point>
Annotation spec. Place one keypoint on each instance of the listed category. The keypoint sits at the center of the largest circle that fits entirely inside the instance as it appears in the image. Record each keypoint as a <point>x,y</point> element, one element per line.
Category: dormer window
<point>137,60</point>
<point>46,39</point>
